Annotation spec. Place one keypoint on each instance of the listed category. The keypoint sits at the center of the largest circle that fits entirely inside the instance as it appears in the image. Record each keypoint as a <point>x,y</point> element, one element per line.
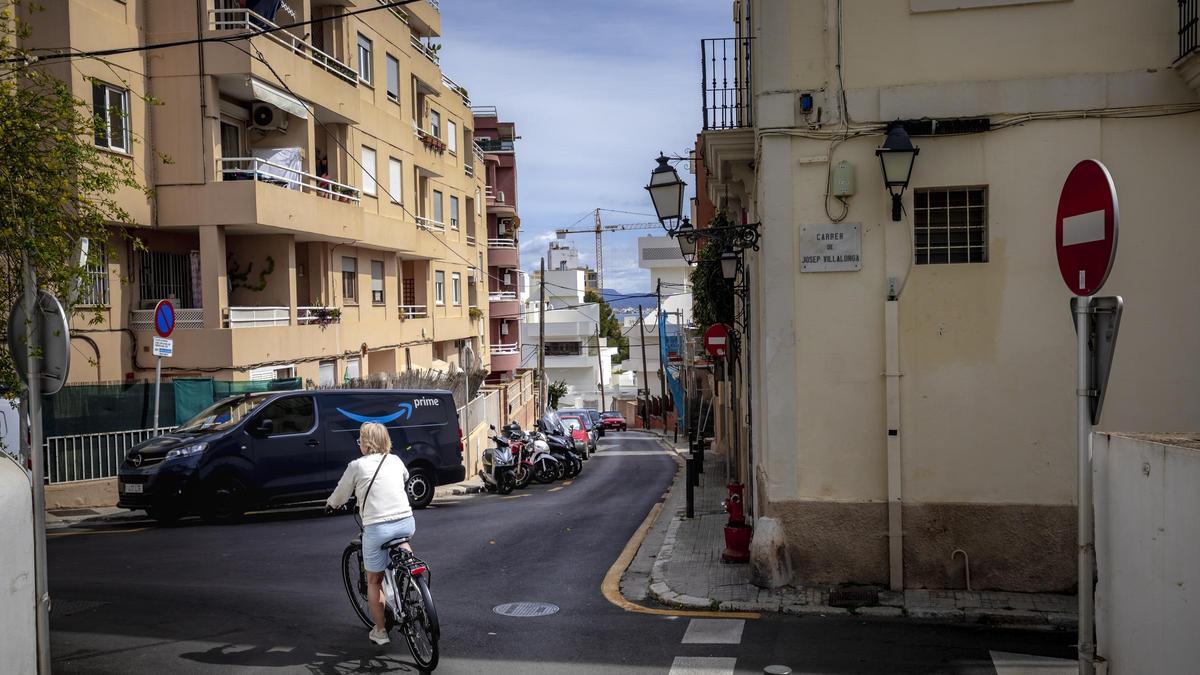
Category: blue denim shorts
<point>375,535</point>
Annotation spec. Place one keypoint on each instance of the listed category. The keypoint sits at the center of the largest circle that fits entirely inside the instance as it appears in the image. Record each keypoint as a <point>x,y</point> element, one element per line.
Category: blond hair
<point>375,438</point>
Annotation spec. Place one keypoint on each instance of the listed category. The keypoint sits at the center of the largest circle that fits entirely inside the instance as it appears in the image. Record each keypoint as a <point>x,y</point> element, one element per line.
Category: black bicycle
<point>407,600</point>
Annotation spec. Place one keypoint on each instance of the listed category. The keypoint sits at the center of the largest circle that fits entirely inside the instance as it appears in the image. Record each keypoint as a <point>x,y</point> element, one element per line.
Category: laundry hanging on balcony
<point>279,165</point>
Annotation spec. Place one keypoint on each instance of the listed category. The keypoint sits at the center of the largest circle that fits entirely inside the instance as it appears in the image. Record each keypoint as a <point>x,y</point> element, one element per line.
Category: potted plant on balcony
<point>475,313</point>
<point>323,316</point>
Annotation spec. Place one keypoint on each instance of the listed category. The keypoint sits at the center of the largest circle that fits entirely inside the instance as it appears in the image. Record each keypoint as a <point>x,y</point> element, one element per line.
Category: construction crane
<point>599,229</point>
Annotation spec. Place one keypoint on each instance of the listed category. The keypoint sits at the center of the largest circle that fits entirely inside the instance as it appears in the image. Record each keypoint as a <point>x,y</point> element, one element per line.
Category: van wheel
<point>224,500</point>
<point>420,488</point>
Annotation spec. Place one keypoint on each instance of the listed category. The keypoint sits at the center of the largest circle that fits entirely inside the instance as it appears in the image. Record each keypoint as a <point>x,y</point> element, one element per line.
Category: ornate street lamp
<point>896,157</point>
<point>666,191</point>
<point>729,264</point>
<point>685,234</point>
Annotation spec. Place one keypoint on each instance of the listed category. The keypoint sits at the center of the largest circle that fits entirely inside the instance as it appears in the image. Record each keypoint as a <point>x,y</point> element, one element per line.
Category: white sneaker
<point>379,637</point>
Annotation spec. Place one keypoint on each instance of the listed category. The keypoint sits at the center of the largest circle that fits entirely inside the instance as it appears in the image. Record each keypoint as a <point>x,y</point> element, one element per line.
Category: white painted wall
<point>1147,498</point>
<point>18,636</point>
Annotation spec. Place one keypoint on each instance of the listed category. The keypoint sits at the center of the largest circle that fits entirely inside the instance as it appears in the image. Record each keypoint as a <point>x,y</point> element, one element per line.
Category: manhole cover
<point>523,609</point>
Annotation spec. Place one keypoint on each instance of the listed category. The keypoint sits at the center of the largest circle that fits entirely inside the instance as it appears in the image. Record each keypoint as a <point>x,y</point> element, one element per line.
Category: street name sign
<point>1085,231</point>
<point>832,247</point>
<point>164,318</point>
<point>163,347</point>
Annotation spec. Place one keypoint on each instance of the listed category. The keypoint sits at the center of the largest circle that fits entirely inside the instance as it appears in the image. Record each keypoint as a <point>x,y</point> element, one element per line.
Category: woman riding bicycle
<point>377,480</point>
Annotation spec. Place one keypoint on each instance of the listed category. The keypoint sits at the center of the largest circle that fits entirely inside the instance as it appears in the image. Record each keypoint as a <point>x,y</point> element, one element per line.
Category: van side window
<point>291,415</point>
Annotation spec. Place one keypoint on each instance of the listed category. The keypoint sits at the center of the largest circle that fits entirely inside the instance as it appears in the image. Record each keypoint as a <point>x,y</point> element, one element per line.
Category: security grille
<point>950,225</point>
<point>166,276</point>
<point>95,282</point>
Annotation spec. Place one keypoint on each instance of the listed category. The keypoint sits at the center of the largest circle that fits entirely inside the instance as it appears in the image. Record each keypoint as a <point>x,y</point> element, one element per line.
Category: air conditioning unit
<point>266,117</point>
<point>504,328</point>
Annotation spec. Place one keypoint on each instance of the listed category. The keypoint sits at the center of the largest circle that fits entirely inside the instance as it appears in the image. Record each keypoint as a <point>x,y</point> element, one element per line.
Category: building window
<point>451,136</point>
<point>166,276</point>
<point>368,171</point>
<point>478,203</point>
<point>95,285</point>
<point>454,212</point>
<point>327,373</point>
<point>563,349</point>
<point>456,287</point>
<point>439,287</point>
<point>377,282</point>
<point>349,279</point>
<point>365,70</point>
<point>393,79</point>
<point>437,207</point>
<point>353,369</point>
<point>394,183</point>
<point>110,105</point>
<point>435,123</point>
<point>950,225</point>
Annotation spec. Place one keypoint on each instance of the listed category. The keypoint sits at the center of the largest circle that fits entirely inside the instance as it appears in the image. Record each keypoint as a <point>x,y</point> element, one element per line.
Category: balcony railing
<point>319,316</point>
<point>245,19</point>
<point>470,240</point>
<point>457,89</point>
<point>502,296</point>
<point>430,224</point>
<point>1189,26</point>
<point>725,84</point>
<point>253,168</point>
<point>469,169</point>
<point>434,4</point>
<point>478,153</point>
<point>502,242</point>
<point>413,311</point>
<point>185,319</point>
<point>257,317</point>
<point>502,348</point>
<point>484,111</point>
<point>396,11</point>
<point>423,49</point>
<point>494,145</point>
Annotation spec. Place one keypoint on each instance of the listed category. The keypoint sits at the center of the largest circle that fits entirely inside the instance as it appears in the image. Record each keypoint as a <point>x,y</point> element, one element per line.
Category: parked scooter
<point>498,466</point>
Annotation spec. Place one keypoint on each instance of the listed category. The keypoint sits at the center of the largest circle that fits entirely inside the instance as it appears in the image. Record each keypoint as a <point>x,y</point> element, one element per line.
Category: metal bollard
<point>691,492</point>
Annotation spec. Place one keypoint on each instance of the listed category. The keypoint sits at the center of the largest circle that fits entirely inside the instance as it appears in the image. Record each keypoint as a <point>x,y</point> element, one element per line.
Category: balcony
<point>504,305</point>
<point>1188,62</point>
<point>495,146</point>
<point>247,20</point>
<point>257,317</point>
<point>502,252</point>
<point>414,312</point>
<point>725,84</point>
<point>423,49</point>
<point>431,224</point>
<point>318,316</point>
<point>254,168</point>
<point>185,319</point>
<point>505,357</point>
<point>458,89</point>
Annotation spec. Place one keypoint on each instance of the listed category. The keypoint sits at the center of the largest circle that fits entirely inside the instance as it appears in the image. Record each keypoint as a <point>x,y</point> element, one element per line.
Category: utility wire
<point>65,54</point>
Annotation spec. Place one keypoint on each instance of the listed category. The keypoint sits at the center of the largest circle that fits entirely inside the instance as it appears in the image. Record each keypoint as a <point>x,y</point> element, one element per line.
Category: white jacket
<point>387,500</point>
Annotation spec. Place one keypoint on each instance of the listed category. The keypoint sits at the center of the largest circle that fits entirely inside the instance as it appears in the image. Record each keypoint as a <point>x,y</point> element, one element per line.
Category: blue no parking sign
<point>164,318</point>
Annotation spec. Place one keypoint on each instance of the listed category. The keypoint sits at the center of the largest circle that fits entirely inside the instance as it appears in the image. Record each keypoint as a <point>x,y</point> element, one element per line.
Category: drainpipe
<point>894,477</point>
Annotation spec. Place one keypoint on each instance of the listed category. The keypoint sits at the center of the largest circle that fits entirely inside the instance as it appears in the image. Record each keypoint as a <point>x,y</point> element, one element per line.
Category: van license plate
<point>133,488</point>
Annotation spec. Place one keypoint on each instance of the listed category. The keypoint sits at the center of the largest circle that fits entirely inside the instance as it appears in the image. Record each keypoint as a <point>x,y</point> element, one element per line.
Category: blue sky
<point>596,89</point>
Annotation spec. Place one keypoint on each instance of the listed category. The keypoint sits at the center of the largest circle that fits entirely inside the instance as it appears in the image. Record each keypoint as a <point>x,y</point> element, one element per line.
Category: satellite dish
<point>53,334</point>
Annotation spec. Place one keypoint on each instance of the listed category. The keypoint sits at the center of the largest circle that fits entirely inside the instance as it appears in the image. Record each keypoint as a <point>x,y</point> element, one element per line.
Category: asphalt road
<point>265,596</point>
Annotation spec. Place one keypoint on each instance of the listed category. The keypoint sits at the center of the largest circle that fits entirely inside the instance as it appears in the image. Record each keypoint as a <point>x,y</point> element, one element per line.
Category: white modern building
<point>670,274</point>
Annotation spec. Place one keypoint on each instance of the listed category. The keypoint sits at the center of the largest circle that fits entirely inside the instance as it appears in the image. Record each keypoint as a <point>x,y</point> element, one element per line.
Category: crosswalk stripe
<point>714,632</point>
<point>1007,663</point>
<point>703,665</point>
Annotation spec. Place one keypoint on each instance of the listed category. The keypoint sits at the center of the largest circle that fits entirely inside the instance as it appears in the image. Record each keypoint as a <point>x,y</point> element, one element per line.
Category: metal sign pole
<point>157,385</point>
<point>33,394</point>
<point>1087,552</point>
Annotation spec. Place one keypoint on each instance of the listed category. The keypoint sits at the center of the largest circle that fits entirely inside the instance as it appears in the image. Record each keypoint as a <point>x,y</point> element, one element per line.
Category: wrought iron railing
<point>725,83</point>
<point>1189,26</point>
<point>494,145</point>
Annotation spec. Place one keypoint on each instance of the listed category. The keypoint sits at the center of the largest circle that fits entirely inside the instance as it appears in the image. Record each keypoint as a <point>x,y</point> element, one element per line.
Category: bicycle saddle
<point>392,543</point>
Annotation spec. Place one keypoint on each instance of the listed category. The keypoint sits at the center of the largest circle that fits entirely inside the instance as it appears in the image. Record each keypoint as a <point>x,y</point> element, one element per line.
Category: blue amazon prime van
<point>269,449</point>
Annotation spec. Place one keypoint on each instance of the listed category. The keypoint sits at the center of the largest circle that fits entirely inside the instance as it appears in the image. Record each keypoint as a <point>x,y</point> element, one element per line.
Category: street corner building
<point>911,372</point>
<point>322,200</point>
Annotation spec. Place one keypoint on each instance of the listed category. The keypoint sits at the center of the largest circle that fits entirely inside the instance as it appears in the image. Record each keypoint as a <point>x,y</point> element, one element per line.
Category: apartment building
<point>922,401</point>
<point>318,198</point>
<point>496,141</point>
<point>668,271</point>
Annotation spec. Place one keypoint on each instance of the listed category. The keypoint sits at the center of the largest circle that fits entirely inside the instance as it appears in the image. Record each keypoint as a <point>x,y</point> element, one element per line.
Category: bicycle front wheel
<point>354,576</point>
<point>420,621</point>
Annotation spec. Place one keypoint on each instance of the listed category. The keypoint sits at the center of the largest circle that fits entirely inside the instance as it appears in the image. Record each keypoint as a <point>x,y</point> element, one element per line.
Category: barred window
<point>94,287</point>
<point>950,225</point>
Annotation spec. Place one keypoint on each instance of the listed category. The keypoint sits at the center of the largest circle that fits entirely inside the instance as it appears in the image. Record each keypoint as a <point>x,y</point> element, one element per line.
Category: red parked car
<point>614,420</point>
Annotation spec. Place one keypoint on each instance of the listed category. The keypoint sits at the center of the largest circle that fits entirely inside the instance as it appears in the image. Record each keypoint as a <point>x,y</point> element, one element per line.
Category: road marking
<point>714,632</point>
<point>703,665</point>
<point>568,482</point>
<point>515,496</point>
<point>78,532</point>
<point>555,489</point>
<point>1007,663</point>
<point>631,453</point>
<point>611,587</point>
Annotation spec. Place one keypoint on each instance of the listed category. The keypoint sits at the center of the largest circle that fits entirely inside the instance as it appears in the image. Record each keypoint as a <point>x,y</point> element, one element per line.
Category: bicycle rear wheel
<point>420,624</point>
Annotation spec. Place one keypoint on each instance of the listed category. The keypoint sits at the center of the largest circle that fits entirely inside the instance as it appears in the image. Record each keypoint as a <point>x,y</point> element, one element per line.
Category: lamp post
<point>896,158</point>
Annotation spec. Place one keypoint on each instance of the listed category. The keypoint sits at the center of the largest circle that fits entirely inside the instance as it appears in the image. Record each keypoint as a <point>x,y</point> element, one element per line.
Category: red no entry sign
<point>716,340</point>
<point>1085,231</point>
<point>164,318</point>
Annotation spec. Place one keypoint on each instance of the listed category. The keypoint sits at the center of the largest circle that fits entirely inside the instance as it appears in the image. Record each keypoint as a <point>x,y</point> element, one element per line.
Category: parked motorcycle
<point>498,466</point>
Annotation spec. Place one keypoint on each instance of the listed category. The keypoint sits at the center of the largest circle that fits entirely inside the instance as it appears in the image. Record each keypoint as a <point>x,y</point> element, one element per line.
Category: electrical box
<point>843,179</point>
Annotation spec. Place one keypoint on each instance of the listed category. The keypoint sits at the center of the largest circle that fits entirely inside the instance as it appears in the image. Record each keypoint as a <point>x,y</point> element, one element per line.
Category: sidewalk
<point>57,519</point>
<point>680,565</point>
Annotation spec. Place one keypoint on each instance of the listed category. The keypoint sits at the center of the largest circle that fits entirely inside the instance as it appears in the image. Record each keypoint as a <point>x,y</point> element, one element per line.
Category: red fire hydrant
<point>737,532</point>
